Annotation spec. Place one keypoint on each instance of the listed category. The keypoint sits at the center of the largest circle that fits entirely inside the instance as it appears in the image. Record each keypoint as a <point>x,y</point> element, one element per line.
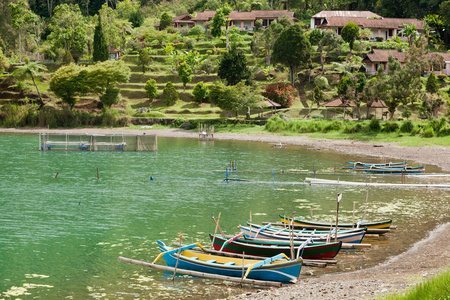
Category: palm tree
<point>31,69</point>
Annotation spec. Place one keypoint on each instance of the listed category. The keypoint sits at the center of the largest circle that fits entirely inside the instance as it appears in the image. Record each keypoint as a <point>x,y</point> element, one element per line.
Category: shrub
<point>406,113</point>
<point>321,82</point>
<point>179,45</point>
<point>445,130</point>
<point>275,124</point>
<point>281,92</point>
<point>390,126</point>
<point>150,89</point>
<point>67,59</point>
<point>407,126</point>
<point>200,92</point>
<point>441,77</point>
<point>189,44</point>
<point>111,96</point>
<point>374,125</point>
<point>379,38</point>
<point>169,94</point>
<point>428,132</point>
<point>171,29</point>
<point>332,126</point>
<point>353,128</point>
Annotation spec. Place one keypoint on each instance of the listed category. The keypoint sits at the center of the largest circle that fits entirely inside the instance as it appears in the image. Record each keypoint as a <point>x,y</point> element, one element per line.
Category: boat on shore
<point>265,247</point>
<point>351,236</point>
<point>395,170</point>
<point>368,165</point>
<point>276,268</point>
<point>386,224</point>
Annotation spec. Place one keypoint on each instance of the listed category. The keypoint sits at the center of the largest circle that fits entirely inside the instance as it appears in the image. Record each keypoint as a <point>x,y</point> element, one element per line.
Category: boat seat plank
<point>230,263</point>
<point>211,261</point>
<point>194,258</point>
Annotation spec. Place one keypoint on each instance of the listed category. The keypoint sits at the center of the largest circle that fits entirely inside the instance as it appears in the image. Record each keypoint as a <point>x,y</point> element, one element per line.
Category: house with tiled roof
<point>245,20</point>
<point>381,27</point>
<point>178,22</point>
<point>379,57</point>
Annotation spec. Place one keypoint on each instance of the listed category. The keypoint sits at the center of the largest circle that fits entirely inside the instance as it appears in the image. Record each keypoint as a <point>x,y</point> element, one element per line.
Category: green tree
<point>144,60</point>
<point>67,59</point>
<point>267,38</point>
<point>110,96</point>
<point>136,18</point>
<point>329,42</point>
<point>169,94</point>
<point>101,52</point>
<point>20,17</point>
<point>315,36</point>
<point>165,21</point>
<point>233,67</point>
<point>200,92</point>
<point>410,31</point>
<point>185,73</point>
<point>349,33</point>
<point>234,98</point>
<point>31,70</point>
<point>151,89</point>
<point>69,83</point>
<point>103,78</point>
<point>220,19</point>
<point>292,49</point>
<point>68,28</point>
<point>197,31</point>
<point>432,86</point>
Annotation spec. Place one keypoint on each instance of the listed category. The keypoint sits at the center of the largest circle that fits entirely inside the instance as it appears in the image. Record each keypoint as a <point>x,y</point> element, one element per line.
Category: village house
<point>180,22</point>
<point>379,57</point>
<point>381,27</point>
<point>245,20</point>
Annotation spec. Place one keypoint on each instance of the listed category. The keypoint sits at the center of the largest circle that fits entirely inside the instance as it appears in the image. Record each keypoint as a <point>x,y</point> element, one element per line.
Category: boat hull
<point>270,248</point>
<point>287,271</point>
<point>351,237</point>
<point>370,225</point>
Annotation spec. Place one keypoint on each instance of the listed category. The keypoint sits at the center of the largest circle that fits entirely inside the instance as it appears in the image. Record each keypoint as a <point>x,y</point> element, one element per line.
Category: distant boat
<point>361,164</point>
<point>266,247</point>
<point>276,268</point>
<point>395,170</point>
<point>320,225</point>
<point>352,236</point>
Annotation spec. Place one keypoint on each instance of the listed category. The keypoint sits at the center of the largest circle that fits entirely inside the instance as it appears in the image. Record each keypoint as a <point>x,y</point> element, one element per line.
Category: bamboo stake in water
<point>178,258</point>
<point>250,222</point>
<point>215,231</point>
<point>291,232</point>
<point>98,175</point>
<point>56,176</point>
<point>311,213</point>
<point>353,219</point>
<point>243,264</point>
<point>365,207</point>
<point>339,197</point>
<point>217,223</point>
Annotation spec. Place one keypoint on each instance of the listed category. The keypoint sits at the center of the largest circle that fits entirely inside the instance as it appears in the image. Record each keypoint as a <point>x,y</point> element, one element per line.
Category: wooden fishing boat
<point>368,165</point>
<point>353,236</point>
<point>320,225</point>
<point>265,247</point>
<point>395,170</point>
<point>276,268</point>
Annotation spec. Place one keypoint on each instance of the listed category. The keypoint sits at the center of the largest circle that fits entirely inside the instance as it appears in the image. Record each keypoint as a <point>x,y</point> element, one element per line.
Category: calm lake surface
<point>60,237</point>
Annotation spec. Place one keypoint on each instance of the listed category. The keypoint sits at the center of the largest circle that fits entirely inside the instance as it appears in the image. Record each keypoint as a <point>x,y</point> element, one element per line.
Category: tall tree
<point>329,42</point>
<point>21,16</point>
<point>292,49</point>
<point>68,28</point>
<point>31,70</point>
<point>220,19</point>
<point>349,33</point>
<point>185,73</point>
<point>165,21</point>
<point>233,67</point>
<point>101,52</point>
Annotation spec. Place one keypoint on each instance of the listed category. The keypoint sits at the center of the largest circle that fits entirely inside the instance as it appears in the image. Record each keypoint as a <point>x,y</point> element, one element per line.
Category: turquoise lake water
<point>60,237</point>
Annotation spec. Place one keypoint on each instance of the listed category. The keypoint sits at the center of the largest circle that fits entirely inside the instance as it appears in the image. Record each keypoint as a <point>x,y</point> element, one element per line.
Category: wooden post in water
<point>334,169</point>
<point>339,197</point>
<point>365,206</point>
<point>178,258</point>
<point>98,175</point>
<point>250,222</point>
<point>217,223</point>
<point>353,219</point>
<point>292,236</point>
<point>311,213</point>
<point>215,231</point>
<point>243,264</point>
<point>39,141</point>
<point>56,176</point>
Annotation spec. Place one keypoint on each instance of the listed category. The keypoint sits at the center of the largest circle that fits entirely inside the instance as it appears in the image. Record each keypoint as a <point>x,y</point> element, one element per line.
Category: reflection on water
<point>61,237</point>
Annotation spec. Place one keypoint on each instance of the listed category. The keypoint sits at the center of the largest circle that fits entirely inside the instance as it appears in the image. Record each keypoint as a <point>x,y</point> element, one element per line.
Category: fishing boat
<point>276,268</point>
<point>395,170</point>
<point>352,236</point>
<point>265,247</point>
<point>368,165</point>
<point>320,225</point>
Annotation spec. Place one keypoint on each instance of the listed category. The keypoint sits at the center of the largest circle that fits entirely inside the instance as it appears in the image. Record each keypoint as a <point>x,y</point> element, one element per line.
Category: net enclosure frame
<point>98,142</point>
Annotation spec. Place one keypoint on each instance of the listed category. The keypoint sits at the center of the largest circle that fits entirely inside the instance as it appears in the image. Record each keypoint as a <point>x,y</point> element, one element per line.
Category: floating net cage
<point>97,142</point>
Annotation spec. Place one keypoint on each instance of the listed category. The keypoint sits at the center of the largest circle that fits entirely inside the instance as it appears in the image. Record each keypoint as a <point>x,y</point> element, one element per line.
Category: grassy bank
<point>436,288</point>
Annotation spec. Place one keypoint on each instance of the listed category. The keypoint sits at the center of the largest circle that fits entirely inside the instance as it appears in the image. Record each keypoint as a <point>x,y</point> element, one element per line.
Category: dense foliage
<point>281,93</point>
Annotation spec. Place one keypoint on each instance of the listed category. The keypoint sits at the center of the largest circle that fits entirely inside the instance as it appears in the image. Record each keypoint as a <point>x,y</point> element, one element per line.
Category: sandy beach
<point>424,259</point>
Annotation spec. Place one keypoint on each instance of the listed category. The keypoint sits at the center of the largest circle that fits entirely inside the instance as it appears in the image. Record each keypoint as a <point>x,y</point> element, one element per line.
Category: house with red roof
<point>381,27</point>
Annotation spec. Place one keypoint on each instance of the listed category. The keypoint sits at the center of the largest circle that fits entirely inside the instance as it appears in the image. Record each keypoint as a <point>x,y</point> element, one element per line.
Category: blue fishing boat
<point>395,170</point>
<point>277,268</point>
<point>362,166</point>
<point>351,236</point>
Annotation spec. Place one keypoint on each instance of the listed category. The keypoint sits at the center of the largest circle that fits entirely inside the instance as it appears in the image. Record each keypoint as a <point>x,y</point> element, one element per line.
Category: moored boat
<point>368,165</point>
<point>351,236</point>
<point>310,224</point>
<point>265,247</point>
<point>276,268</point>
<point>395,170</point>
